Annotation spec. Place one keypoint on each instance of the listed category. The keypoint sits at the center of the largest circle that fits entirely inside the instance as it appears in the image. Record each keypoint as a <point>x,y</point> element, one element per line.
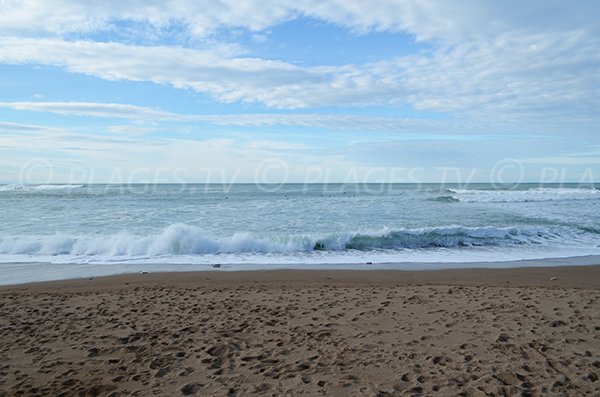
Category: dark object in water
<point>217,265</point>
<point>319,246</point>
<point>369,263</point>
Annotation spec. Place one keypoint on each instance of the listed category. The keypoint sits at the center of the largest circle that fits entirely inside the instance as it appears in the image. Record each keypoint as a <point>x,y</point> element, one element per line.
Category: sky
<point>223,91</point>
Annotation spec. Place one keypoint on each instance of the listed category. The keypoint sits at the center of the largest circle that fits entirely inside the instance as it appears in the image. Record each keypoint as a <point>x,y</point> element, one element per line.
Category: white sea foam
<point>528,195</point>
<point>37,188</point>
<point>181,239</point>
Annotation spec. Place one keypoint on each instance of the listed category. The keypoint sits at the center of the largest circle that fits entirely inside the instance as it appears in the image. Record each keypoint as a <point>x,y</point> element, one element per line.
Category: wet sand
<point>472,332</point>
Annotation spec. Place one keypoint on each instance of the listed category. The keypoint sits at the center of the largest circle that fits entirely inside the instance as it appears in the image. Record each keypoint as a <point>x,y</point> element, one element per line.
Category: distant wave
<point>529,195</point>
<point>181,239</point>
<point>445,199</point>
<point>37,188</point>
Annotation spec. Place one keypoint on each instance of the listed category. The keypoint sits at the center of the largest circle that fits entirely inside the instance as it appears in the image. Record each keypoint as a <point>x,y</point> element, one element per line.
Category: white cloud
<point>145,114</point>
<point>505,61</point>
<point>76,156</point>
<point>565,160</point>
<point>510,74</point>
<point>427,20</point>
<point>146,120</point>
<point>228,79</point>
<point>14,128</point>
<point>114,110</point>
<point>455,21</point>
<point>130,129</point>
<point>198,18</point>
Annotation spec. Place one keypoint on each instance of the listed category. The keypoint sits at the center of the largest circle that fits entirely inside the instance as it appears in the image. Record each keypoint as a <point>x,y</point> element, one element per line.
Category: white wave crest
<point>529,195</point>
<point>181,239</point>
<point>37,188</point>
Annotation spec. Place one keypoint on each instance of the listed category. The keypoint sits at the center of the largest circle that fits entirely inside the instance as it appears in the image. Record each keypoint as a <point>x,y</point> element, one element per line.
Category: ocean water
<point>105,229</point>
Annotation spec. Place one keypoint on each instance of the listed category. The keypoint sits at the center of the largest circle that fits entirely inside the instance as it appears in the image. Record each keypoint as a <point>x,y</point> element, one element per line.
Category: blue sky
<point>352,91</point>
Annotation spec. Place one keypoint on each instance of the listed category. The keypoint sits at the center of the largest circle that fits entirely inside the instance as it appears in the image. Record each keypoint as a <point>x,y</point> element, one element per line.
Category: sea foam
<point>37,188</point>
<point>528,195</point>
<point>182,239</point>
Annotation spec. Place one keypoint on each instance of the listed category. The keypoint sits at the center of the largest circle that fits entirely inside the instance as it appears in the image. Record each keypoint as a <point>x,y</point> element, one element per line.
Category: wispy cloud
<point>19,128</point>
<point>113,110</point>
<point>440,20</point>
<point>509,74</point>
<point>141,113</point>
<point>486,56</point>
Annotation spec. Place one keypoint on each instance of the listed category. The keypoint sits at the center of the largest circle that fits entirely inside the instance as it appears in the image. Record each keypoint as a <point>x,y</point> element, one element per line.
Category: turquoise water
<point>295,224</point>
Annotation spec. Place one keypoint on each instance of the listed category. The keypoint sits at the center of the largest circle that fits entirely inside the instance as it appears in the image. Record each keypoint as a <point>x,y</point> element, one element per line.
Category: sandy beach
<point>473,332</point>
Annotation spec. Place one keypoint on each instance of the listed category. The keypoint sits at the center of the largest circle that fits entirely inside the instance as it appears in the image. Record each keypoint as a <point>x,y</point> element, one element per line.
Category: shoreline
<point>24,273</point>
<point>572,276</point>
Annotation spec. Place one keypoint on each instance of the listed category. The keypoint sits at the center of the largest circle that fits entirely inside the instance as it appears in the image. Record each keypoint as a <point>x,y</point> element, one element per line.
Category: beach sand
<point>525,332</point>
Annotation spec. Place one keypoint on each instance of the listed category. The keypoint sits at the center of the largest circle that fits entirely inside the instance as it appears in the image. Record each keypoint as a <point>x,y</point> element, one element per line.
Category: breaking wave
<point>37,188</point>
<point>181,239</point>
<point>529,195</point>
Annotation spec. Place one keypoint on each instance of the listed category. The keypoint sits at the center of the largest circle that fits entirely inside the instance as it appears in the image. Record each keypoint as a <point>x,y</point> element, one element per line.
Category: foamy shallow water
<point>22,273</point>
